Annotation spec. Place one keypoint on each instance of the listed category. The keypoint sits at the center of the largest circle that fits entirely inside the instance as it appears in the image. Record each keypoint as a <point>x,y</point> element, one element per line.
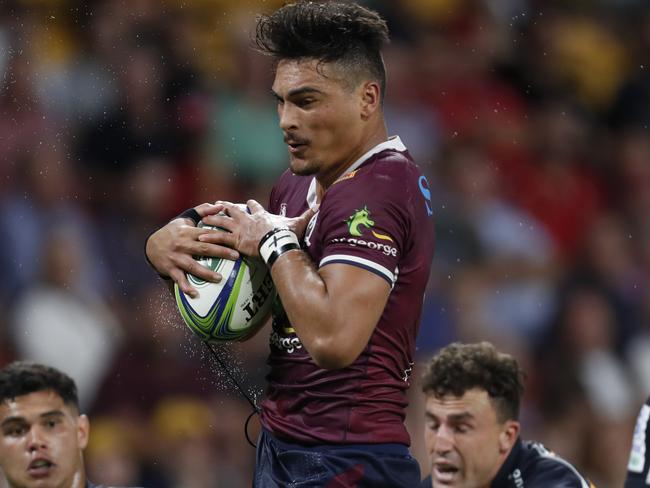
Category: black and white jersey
<point>531,465</point>
<point>638,471</point>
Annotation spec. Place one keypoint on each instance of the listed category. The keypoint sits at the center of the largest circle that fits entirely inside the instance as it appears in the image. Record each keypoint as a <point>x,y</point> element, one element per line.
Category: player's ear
<point>370,98</point>
<point>83,431</point>
<point>508,435</point>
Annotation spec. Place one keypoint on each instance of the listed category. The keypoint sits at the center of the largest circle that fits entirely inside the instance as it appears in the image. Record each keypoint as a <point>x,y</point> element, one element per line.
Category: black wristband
<point>275,243</point>
<point>190,213</point>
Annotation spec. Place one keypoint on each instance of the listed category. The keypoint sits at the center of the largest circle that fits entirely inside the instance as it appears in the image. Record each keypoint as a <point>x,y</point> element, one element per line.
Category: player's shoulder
<point>389,170</point>
<point>391,161</point>
<point>540,467</point>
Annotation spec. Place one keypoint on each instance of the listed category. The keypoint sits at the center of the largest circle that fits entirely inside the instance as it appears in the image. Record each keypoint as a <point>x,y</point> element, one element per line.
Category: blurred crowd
<point>529,117</point>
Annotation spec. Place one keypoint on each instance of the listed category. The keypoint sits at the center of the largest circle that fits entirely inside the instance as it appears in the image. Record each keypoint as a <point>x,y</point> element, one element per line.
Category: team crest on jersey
<point>361,218</point>
<point>283,209</point>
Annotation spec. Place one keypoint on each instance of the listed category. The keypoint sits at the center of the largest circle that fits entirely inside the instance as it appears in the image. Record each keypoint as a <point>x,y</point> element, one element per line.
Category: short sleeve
<point>364,221</point>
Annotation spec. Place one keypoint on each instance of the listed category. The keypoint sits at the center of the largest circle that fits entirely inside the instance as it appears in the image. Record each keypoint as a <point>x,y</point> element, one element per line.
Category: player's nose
<point>287,116</point>
<point>36,439</point>
<point>444,441</point>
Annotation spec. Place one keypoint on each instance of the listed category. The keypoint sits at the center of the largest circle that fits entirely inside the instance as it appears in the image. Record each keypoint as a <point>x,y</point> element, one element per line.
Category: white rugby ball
<point>233,309</point>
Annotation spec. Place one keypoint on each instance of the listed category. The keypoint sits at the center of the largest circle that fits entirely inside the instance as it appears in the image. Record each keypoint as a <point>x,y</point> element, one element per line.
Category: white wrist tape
<point>276,242</point>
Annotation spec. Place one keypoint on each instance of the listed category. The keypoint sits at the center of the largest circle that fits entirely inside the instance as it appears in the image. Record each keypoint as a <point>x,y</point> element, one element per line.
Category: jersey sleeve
<point>638,471</point>
<point>364,221</point>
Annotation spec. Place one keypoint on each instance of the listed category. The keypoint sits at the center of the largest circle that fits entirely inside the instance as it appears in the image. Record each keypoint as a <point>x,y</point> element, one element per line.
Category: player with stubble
<point>348,237</point>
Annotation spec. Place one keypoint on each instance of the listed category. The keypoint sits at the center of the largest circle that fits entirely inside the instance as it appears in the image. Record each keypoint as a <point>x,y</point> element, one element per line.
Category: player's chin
<point>301,167</point>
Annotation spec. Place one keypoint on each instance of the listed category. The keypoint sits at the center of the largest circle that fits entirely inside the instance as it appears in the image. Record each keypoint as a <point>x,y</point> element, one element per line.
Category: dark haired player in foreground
<point>351,285</point>
<point>473,394</point>
<point>42,434</point>
<point>638,468</point>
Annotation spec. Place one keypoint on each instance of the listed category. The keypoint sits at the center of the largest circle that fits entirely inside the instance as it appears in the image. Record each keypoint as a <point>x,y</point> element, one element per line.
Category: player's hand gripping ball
<point>233,309</point>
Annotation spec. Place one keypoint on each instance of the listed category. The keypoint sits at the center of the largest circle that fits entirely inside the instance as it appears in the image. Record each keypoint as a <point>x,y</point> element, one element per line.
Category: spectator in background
<point>62,322</point>
<point>473,394</point>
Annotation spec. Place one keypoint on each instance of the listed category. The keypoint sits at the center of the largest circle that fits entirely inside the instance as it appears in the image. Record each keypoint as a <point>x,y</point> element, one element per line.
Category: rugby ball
<point>233,309</point>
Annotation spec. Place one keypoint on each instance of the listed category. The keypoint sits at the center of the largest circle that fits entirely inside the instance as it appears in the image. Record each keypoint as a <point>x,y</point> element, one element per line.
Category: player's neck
<point>374,138</point>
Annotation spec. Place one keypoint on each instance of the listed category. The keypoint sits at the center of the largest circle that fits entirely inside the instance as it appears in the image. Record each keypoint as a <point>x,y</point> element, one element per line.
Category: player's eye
<point>432,425</point>
<point>15,431</point>
<point>305,102</point>
<point>51,423</point>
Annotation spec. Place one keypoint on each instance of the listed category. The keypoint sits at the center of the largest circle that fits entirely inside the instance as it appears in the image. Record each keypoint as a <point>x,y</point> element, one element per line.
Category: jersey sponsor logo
<point>517,479</point>
<point>406,374</point>
<point>289,344</point>
<point>426,193</point>
<point>283,336</point>
<point>637,452</point>
<point>375,246</point>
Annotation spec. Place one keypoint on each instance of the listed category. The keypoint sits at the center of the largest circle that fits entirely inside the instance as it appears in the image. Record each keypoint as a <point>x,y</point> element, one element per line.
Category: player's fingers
<point>217,244</point>
<point>193,267</point>
<point>209,208</point>
<point>219,247</point>
<point>254,206</point>
<point>222,221</point>
<point>181,280</point>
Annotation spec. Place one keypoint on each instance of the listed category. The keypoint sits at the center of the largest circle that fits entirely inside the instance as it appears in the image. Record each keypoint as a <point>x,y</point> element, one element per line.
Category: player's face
<point>465,441</point>
<point>41,442</point>
<point>320,117</point>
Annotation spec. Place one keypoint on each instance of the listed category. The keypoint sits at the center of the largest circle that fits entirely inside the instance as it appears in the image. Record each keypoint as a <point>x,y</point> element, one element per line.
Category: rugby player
<point>42,433</point>
<point>472,429</point>
<point>348,237</point>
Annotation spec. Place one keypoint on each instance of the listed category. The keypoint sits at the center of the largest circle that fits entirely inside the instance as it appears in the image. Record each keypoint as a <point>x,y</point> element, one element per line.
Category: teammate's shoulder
<point>542,467</point>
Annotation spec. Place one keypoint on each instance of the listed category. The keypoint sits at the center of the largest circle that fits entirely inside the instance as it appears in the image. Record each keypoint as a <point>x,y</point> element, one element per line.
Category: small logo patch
<point>637,452</point>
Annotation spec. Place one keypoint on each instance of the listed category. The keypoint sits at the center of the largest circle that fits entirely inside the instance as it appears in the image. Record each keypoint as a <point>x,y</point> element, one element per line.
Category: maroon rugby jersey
<point>376,216</point>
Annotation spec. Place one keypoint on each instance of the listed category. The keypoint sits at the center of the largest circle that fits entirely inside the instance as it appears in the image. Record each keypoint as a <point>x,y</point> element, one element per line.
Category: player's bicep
<point>360,296</point>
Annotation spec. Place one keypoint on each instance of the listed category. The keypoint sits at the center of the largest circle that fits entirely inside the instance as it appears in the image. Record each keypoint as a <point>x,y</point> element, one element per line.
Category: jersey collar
<point>511,463</point>
<point>393,142</point>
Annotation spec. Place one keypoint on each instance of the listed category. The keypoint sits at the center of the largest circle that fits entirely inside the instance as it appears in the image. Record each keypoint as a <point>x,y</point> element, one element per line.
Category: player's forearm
<point>314,313</point>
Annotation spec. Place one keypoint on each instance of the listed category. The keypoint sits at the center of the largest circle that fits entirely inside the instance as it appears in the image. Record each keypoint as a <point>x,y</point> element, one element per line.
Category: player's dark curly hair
<point>25,377</point>
<point>458,368</point>
<point>335,31</point>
